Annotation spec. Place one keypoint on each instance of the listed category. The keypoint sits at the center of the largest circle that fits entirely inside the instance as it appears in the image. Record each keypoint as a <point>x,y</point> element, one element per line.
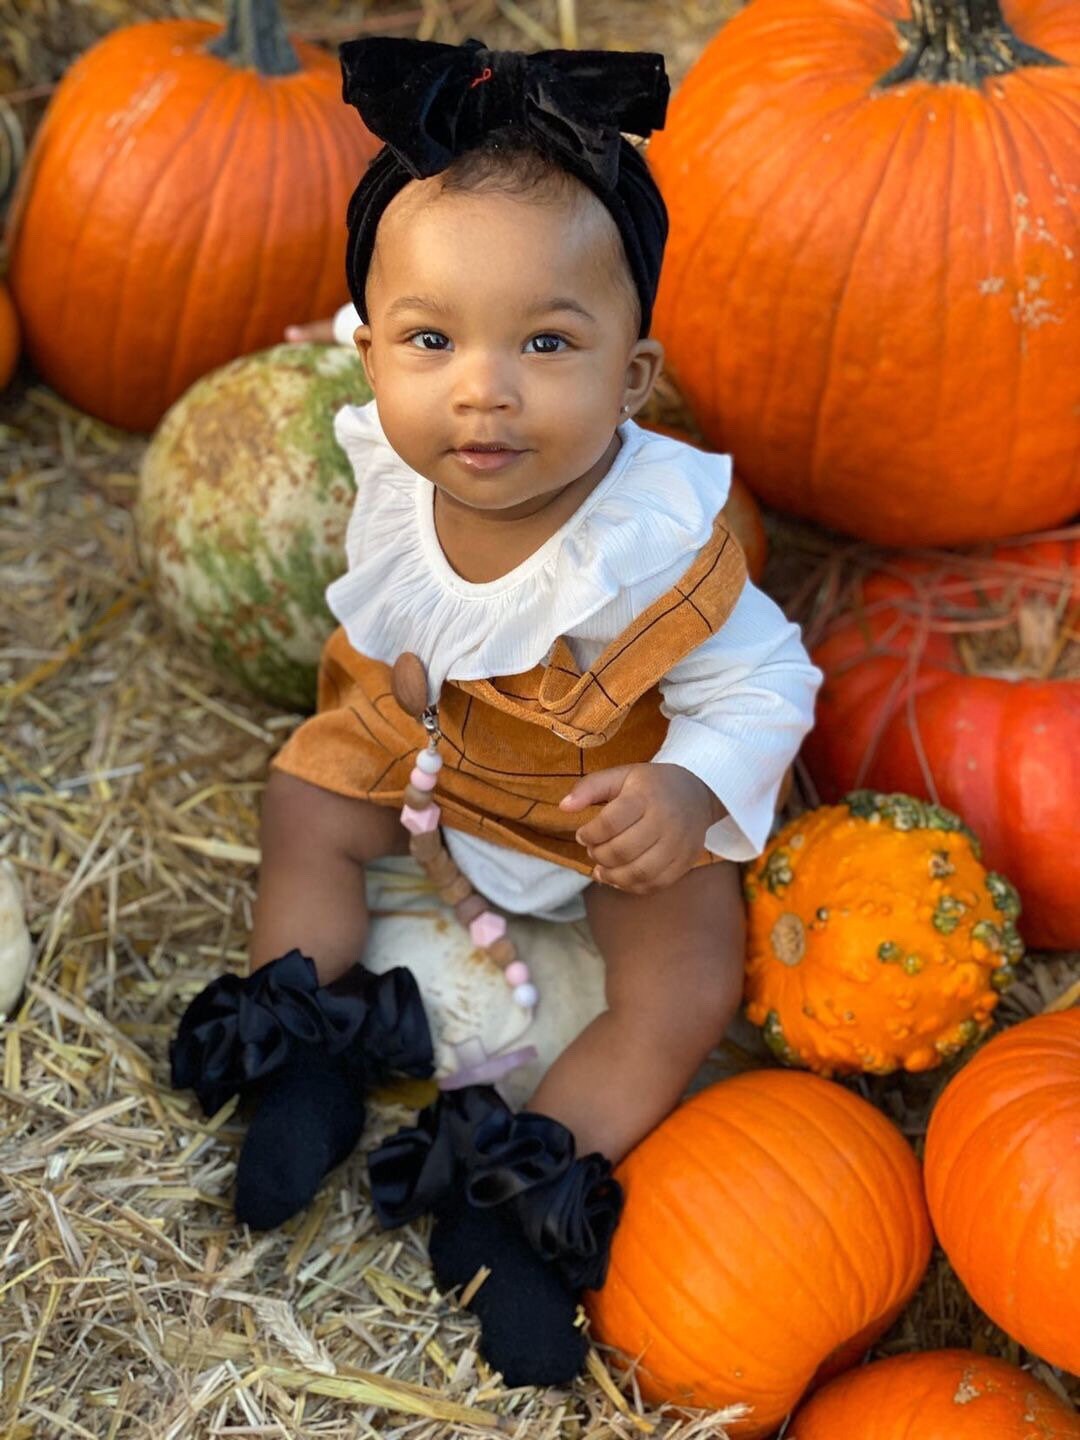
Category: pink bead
<point>420,822</point>
<point>422,780</point>
<point>517,973</point>
<point>486,929</point>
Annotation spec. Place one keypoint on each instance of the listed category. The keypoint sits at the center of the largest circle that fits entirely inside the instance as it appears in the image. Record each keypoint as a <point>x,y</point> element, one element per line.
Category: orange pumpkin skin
<point>741,510</point>
<point>177,211</point>
<point>770,1222</point>
<point>9,336</point>
<point>940,1395</point>
<point>1003,1182</point>
<point>875,939</point>
<point>869,293</point>
<point>1004,753</point>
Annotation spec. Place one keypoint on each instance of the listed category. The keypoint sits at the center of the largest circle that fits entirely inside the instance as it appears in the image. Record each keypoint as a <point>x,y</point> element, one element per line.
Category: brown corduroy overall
<point>515,745</point>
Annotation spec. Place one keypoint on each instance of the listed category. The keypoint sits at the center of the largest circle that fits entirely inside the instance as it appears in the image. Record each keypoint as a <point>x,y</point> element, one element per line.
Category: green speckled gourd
<point>243,501</point>
<point>876,940</point>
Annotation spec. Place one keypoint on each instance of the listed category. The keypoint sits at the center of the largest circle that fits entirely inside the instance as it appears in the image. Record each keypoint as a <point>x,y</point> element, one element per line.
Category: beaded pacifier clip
<point>420,815</point>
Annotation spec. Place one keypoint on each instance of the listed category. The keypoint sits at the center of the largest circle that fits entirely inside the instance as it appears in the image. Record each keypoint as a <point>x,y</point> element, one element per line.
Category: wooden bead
<point>503,952</point>
<point>441,868</point>
<point>467,910</point>
<point>417,798</point>
<point>425,847</point>
<point>409,684</point>
<point>457,890</point>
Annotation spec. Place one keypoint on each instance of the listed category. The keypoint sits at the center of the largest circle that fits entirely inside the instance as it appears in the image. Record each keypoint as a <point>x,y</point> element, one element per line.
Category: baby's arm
<point>739,706</point>
<point>336,330</point>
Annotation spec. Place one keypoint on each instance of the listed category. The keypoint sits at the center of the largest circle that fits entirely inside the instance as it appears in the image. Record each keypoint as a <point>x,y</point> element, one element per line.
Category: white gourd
<point>466,996</point>
<point>15,946</point>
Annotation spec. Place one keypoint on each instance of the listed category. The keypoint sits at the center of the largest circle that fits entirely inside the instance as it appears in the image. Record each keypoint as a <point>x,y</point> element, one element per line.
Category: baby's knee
<point>305,816</point>
<point>694,996</point>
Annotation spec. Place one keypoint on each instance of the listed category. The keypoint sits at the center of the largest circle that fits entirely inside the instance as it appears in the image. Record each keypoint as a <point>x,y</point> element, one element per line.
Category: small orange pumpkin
<point>774,1227</point>
<point>9,336</point>
<point>876,940</point>
<point>183,201</point>
<point>1003,1182</point>
<point>939,1395</point>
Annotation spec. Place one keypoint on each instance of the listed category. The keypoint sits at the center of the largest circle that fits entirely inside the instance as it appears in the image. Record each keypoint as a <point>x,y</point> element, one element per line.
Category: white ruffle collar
<point>656,504</point>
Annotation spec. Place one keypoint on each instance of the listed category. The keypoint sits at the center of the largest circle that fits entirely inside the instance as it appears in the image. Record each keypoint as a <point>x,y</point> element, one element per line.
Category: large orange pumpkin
<point>940,1395</point>
<point>774,1227</point>
<point>870,290</point>
<point>1003,1182</point>
<point>183,201</point>
<point>954,679</point>
<point>9,336</point>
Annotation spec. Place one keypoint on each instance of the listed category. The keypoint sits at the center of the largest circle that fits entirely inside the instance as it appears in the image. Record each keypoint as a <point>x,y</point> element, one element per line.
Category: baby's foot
<point>307,1055</point>
<point>525,1310</point>
<point>309,1119</point>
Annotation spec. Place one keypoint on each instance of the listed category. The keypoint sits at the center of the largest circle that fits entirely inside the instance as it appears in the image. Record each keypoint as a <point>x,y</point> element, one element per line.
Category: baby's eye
<point>430,340</point>
<point>546,344</point>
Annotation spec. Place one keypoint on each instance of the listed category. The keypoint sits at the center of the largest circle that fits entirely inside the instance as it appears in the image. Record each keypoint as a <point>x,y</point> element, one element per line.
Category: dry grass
<point>129,790</point>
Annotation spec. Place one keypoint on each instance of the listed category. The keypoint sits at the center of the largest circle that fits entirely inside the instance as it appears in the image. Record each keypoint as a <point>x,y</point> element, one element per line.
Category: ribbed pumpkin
<point>183,201</point>
<point>9,336</point>
<point>774,1227</point>
<point>940,1395</point>
<point>1003,1182</point>
<point>869,293</point>
<point>954,679</point>
<point>876,940</point>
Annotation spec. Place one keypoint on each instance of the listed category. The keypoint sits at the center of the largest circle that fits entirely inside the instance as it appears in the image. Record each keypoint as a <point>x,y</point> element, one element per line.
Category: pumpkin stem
<point>963,41</point>
<point>254,38</point>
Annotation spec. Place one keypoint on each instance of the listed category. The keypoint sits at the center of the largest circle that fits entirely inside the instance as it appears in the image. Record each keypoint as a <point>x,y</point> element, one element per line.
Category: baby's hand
<point>652,827</point>
<point>318,332</point>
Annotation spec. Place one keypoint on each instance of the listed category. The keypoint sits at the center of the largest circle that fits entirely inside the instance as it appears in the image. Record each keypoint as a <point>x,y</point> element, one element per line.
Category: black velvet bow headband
<point>430,103</point>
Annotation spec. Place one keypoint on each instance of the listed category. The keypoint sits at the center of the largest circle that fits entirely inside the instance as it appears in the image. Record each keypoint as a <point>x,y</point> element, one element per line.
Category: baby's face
<point>497,319</point>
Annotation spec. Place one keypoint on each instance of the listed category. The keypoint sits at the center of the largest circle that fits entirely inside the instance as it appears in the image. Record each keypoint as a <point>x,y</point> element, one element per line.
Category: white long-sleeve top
<point>739,705</point>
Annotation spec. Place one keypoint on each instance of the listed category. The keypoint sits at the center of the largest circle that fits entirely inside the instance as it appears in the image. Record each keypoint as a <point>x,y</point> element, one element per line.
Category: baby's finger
<point>616,816</point>
<point>640,875</point>
<point>627,846</point>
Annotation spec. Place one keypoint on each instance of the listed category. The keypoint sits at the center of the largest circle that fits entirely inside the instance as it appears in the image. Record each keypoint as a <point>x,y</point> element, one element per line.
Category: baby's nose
<point>485,382</point>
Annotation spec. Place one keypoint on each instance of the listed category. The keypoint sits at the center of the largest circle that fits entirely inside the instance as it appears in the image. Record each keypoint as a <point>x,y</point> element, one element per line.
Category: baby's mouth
<point>487,454</point>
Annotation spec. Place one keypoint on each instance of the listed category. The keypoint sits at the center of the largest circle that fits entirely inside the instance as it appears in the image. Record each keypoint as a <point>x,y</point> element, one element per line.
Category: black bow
<point>237,1031</point>
<point>431,102</point>
<point>470,1140</point>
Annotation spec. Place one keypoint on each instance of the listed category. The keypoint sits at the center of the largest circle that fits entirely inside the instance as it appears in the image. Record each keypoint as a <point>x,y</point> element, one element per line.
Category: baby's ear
<point>644,369</point>
<point>362,341</point>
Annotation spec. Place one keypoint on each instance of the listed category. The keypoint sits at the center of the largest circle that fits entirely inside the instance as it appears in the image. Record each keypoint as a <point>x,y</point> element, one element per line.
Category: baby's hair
<point>508,164</point>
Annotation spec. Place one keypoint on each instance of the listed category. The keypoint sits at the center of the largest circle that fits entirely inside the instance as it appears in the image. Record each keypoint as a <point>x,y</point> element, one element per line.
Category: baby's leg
<point>311,875</point>
<point>305,1046</point>
<point>674,981</point>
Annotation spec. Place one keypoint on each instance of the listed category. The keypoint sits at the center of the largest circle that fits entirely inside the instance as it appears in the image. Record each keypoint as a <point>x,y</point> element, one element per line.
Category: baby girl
<point>612,704</point>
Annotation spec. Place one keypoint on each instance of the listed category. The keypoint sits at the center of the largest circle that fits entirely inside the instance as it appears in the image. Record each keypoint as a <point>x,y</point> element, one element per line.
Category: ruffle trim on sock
<point>239,1030</point>
<point>469,1139</point>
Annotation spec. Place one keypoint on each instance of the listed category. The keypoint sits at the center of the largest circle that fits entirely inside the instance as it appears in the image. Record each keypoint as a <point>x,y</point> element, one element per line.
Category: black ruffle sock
<point>305,1056</point>
<point>507,1193</point>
